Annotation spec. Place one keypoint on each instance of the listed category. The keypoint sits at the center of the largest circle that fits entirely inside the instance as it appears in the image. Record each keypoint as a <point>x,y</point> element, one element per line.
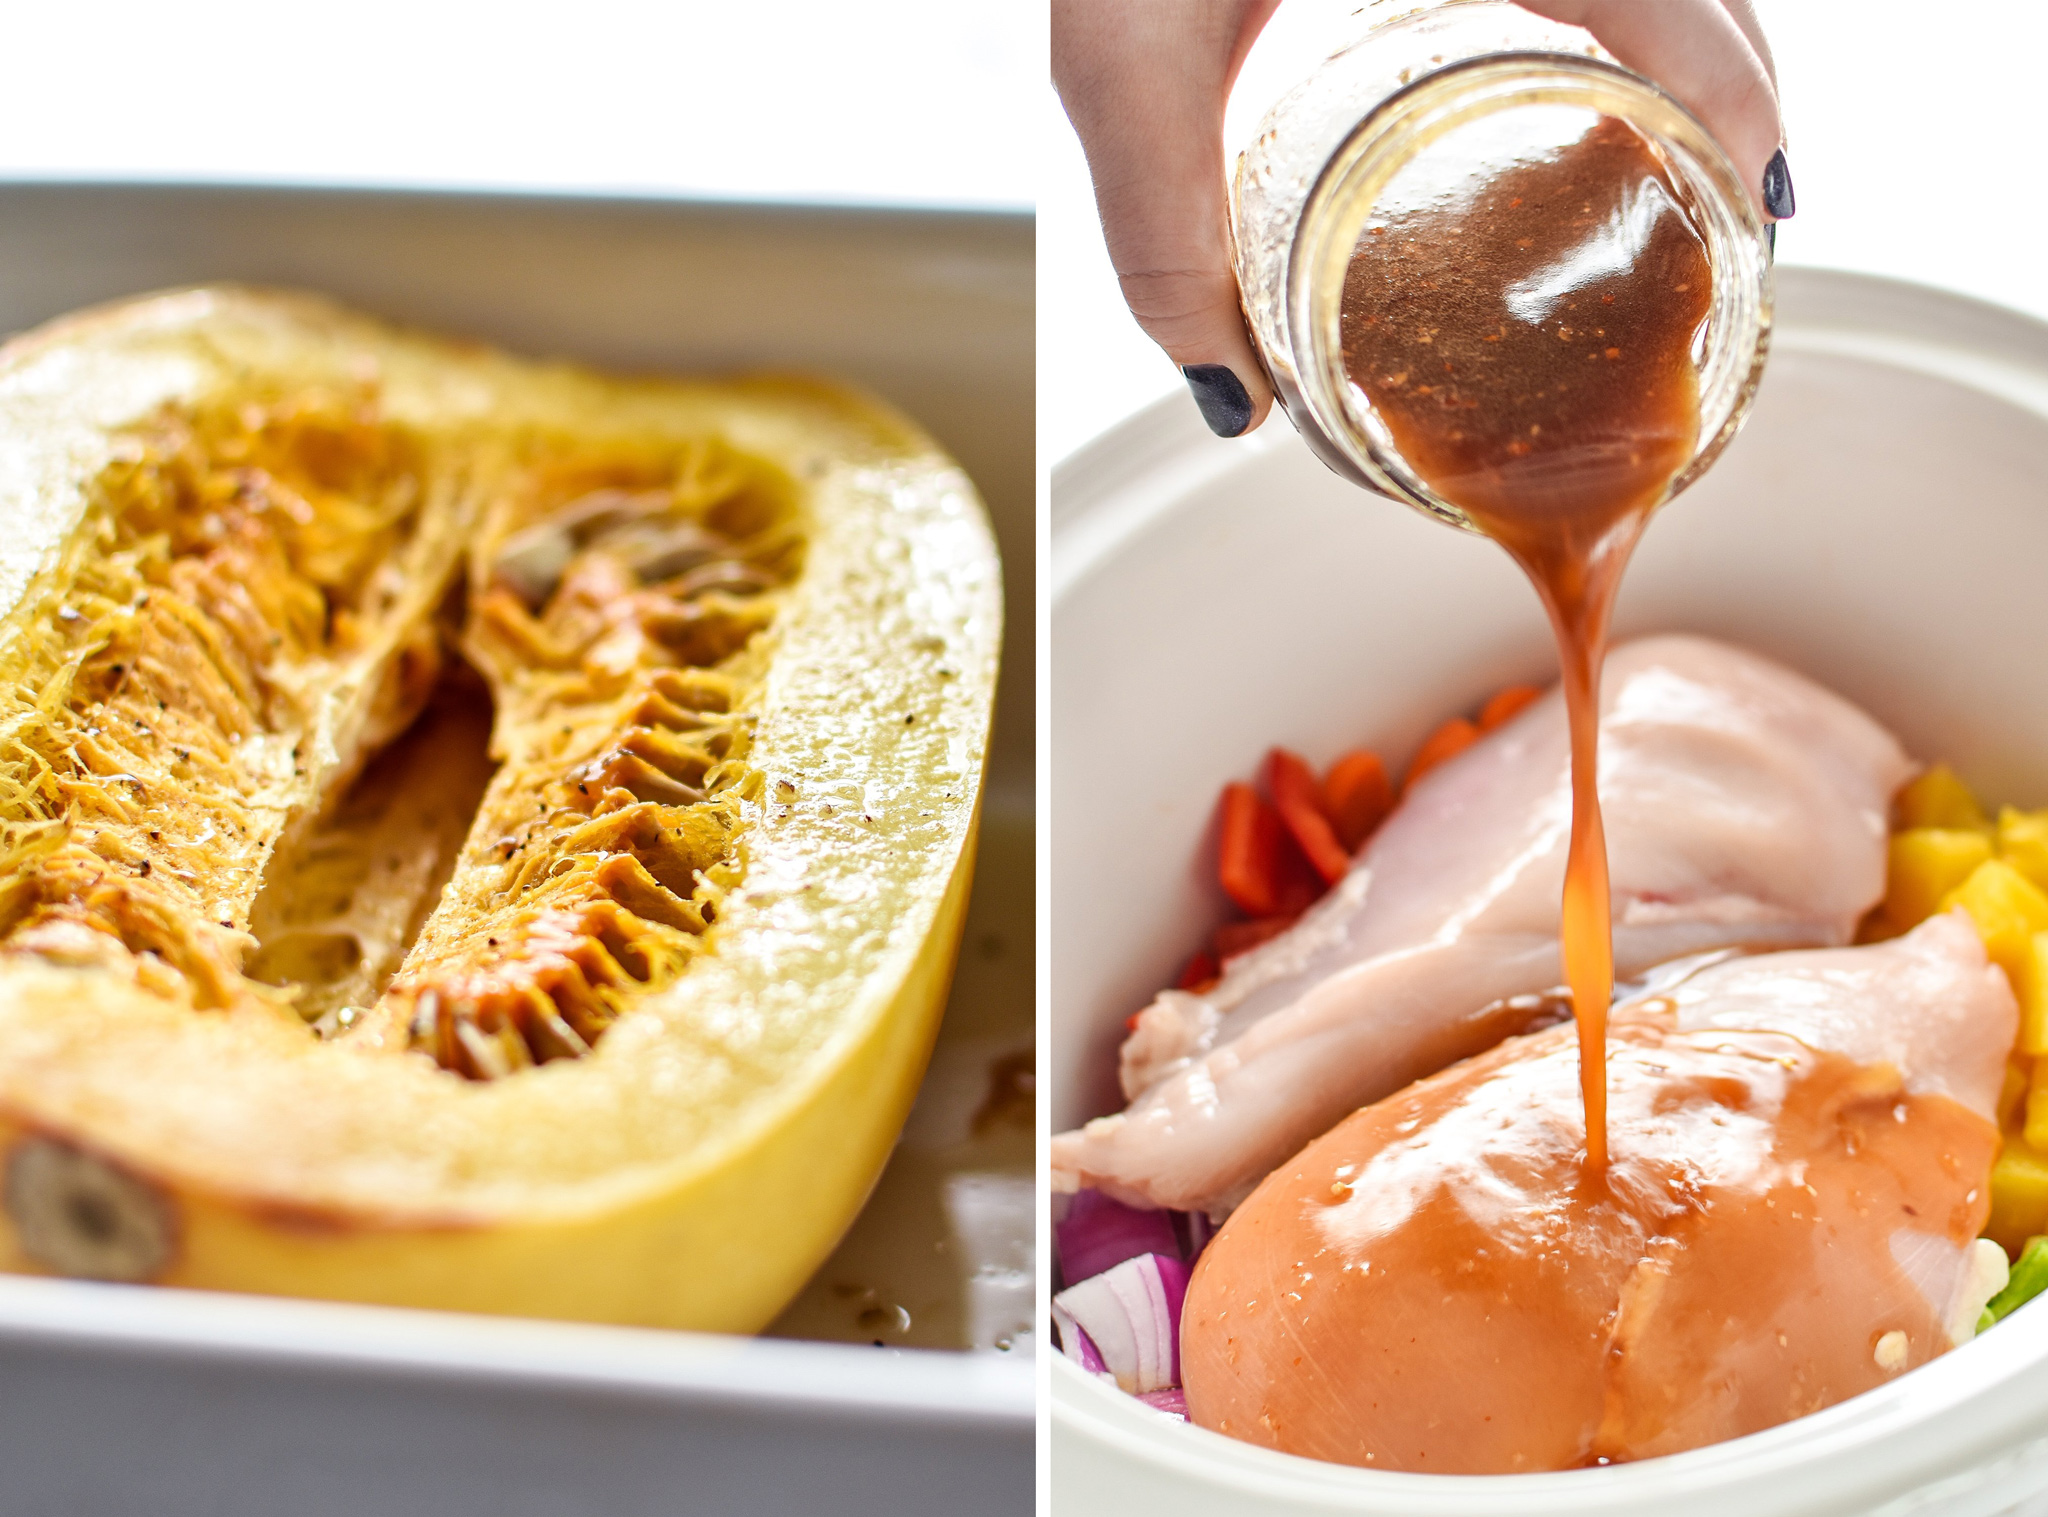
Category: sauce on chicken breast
<point>1788,1217</point>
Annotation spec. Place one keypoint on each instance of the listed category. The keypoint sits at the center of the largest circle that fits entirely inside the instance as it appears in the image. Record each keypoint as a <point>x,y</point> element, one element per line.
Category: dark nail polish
<point>1778,187</point>
<point>1220,396</point>
<point>1771,239</point>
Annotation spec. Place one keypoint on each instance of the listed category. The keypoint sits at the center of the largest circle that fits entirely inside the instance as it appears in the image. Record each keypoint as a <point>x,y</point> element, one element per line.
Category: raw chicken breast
<point>1801,1153</point>
<point>1745,807</point>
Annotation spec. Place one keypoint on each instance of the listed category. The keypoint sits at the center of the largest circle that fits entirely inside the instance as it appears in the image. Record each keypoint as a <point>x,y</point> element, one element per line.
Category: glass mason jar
<point>1477,82</point>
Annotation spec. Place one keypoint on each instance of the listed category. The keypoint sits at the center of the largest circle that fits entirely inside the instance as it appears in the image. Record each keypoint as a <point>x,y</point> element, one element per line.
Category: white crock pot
<point>1881,524</point>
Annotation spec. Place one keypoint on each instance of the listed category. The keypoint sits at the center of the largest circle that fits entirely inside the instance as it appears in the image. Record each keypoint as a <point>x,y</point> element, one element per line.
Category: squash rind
<point>702,1160</point>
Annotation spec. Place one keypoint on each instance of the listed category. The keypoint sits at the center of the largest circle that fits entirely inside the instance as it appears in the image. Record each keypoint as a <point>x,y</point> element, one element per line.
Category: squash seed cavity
<point>512,693</point>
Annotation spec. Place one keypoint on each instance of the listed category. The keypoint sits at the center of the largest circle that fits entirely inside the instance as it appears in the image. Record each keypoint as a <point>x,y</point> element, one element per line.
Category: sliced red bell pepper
<point>1447,742</point>
<point>1234,938</point>
<point>1505,704</point>
<point>1258,863</point>
<point>1201,973</point>
<point>1357,797</point>
<point>1299,800</point>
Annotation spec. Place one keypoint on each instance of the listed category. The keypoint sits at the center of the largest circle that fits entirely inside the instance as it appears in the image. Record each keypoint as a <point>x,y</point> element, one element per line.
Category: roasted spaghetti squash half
<point>473,833</point>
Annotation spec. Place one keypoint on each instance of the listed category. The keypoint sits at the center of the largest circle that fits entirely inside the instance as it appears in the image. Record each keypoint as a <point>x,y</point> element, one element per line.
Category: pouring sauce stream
<point>1528,342</point>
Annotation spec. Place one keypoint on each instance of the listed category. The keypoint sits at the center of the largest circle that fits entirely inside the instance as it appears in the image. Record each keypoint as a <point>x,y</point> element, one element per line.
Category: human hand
<point>1144,83</point>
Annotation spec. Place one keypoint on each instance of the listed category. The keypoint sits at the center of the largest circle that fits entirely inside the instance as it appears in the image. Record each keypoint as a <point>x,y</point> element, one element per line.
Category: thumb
<point>1144,84</point>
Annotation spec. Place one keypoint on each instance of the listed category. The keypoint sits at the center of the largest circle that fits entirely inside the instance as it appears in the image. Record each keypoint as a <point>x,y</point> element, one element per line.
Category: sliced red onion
<point>1077,1345</point>
<point>1173,1401</point>
<point>1098,1233</point>
<point>1131,1313</point>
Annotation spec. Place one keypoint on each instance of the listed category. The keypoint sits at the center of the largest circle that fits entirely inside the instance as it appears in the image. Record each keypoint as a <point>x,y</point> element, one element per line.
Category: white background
<point>905,100</point>
<point>1917,138</point>
<point>1916,131</point>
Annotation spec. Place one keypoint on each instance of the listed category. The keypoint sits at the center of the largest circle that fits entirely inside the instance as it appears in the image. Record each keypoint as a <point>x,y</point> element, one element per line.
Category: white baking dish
<point>1882,524</point>
<point>122,1399</point>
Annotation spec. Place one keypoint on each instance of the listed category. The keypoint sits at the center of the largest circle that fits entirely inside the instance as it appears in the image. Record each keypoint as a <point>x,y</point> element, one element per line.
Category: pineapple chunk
<point>2012,1095</point>
<point>2023,842</point>
<point>2030,987</point>
<point>2008,909</point>
<point>2019,1195</point>
<point>1925,865</point>
<point>1939,798</point>
<point>2036,1129</point>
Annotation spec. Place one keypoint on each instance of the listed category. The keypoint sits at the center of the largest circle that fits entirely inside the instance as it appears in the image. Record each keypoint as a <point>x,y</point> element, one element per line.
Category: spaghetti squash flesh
<point>475,833</point>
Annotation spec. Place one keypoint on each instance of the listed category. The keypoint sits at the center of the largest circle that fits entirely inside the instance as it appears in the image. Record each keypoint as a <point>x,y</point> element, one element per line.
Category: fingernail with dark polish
<point>1220,396</point>
<point>1778,187</point>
